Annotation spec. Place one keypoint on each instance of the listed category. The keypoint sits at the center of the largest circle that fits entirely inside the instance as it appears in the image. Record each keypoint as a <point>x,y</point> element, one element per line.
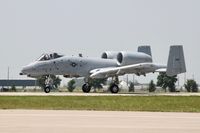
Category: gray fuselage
<point>68,66</point>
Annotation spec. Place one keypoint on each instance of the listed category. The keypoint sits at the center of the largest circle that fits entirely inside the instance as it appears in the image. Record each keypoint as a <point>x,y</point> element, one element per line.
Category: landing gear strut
<point>114,88</point>
<point>48,84</point>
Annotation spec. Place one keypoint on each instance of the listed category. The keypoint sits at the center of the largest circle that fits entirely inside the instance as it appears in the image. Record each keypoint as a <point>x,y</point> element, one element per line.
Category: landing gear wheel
<point>86,88</point>
<point>47,89</point>
<point>48,84</point>
<point>114,88</point>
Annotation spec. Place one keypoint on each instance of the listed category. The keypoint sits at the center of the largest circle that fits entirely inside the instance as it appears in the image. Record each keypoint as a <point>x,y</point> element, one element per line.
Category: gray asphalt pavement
<point>47,121</point>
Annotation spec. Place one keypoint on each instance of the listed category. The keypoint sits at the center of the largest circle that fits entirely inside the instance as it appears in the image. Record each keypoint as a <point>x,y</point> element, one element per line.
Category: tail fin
<point>145,49</point>
<point>176,61</point>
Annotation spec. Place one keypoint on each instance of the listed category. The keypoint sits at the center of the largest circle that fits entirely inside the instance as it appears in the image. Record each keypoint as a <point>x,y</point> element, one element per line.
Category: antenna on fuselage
<point>80,55</point>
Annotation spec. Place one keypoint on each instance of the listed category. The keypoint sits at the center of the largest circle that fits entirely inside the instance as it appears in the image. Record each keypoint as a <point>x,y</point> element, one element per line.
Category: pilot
<point>51,56</point>
<point>46,57</point>
<point>55,55</point>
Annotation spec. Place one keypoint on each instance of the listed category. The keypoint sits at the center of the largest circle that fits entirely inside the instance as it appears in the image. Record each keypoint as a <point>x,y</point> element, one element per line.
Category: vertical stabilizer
<point>145,49</point>
<point>176,61</point>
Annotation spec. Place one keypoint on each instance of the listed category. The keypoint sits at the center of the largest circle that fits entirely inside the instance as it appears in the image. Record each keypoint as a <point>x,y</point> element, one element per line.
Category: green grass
<point>108,103</point>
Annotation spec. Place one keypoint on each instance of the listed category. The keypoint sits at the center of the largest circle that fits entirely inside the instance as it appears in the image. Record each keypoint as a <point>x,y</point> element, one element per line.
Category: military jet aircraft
<point>111,64</point>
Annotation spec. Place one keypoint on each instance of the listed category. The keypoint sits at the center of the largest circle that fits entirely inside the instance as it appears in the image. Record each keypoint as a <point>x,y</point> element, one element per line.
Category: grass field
<point>108,103</point>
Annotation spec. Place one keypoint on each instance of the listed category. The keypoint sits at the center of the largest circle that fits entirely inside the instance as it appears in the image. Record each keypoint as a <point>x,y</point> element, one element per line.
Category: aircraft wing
<point>175,65</point>
<point>117,71</point>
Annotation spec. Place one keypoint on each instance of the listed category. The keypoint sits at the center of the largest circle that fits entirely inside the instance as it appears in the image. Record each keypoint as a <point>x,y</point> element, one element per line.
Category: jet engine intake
<point>109,55</point>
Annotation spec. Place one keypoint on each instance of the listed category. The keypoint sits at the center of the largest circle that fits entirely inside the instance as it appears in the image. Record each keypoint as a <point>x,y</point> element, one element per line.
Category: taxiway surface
<point>49,121</point>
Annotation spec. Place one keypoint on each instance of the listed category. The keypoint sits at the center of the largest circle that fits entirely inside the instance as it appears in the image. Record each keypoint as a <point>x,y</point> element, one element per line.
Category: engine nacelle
<point>128,58</point>
<point>109,55</point>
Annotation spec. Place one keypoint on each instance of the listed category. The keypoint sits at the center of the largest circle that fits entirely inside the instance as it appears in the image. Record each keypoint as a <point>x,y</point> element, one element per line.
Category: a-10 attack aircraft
<point>112,64</point>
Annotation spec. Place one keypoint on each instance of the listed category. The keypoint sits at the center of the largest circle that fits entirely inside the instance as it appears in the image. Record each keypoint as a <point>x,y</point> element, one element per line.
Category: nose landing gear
<point>48,84</point>
<point>47,89</point>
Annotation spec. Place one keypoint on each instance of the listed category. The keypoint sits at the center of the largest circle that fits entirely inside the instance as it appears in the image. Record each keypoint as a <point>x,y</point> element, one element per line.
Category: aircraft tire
<point>47,89</point>
<point>114,88</point>
<point>86,88</point>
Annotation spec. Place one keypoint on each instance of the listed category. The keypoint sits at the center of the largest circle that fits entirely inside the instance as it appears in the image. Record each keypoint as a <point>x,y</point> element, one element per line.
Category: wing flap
<point>162,70</point>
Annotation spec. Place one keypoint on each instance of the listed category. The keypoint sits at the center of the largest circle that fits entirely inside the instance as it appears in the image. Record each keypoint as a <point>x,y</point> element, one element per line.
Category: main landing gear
<point>86,88</point>
<point>113,88</point>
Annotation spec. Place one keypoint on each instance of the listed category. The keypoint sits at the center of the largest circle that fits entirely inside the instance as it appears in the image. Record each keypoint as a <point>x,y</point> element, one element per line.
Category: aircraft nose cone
<point>26,70</point>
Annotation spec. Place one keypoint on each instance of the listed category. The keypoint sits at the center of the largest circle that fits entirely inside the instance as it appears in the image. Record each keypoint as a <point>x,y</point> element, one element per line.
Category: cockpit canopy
<point>50,56</point>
